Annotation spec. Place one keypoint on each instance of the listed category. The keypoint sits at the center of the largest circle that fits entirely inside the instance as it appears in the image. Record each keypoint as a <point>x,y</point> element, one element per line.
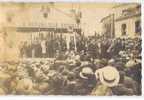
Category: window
<point>138,27</point>
<point>123,29</point>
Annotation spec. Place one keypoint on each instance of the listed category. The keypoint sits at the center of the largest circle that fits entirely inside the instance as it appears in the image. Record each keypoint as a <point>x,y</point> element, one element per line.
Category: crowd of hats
<point>52,77</point>
<point>72,76</point>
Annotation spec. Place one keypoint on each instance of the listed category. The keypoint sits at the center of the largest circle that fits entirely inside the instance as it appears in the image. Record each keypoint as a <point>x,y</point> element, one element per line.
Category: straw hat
<point>122,53</point>
<point>45,67</point>
<point>111,61</point>
<point>130,63</point>
<point>87,71</point>
<point>24,84</point>
<point>97,61</point>
<point>51,73</point>
<point>84,63</point>
<point>108,76</point>
<point>43,86</point>
<point>77,58</point>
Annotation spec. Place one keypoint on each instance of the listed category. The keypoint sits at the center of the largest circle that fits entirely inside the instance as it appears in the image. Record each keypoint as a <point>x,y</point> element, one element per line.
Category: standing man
<point>43,46</point>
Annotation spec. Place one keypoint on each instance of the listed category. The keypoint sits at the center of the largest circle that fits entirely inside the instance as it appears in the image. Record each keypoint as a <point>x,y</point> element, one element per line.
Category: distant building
<point>108,26</point>
<point>127,20</point>
<point>28,22</point>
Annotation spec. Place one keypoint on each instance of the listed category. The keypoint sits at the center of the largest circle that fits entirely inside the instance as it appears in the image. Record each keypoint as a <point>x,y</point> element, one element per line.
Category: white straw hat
<point>108,76</point>
<point>130,63</point>
<point>86,70</point>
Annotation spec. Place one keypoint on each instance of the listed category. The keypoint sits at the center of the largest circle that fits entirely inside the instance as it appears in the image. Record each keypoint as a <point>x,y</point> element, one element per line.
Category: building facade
<point>108,26</point>
<point>127,20</point>
<point>28,22</point>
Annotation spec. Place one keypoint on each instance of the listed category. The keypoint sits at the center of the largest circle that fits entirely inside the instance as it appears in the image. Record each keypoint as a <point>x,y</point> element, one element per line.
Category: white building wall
<point>130,24</point>
<point>118,10</point>
<point>31,16</point>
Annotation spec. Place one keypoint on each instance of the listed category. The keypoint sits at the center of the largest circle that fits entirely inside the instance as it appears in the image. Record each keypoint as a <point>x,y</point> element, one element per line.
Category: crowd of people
<point>100,67</point>
<point>96,47</point>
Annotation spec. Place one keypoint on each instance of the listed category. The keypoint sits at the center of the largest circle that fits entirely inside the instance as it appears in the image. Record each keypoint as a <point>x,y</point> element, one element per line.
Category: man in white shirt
<point>43,46</point>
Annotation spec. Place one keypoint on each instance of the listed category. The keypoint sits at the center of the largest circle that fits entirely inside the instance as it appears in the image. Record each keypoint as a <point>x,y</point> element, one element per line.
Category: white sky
<point>92,19</point>
<point>92,13</point>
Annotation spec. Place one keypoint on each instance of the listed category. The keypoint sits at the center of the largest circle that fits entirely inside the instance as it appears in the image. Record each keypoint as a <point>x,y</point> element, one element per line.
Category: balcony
<point>129,13</point>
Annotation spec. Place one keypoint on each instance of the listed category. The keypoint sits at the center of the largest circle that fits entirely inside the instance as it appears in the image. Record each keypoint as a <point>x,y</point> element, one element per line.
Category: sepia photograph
<point>70,48</point>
